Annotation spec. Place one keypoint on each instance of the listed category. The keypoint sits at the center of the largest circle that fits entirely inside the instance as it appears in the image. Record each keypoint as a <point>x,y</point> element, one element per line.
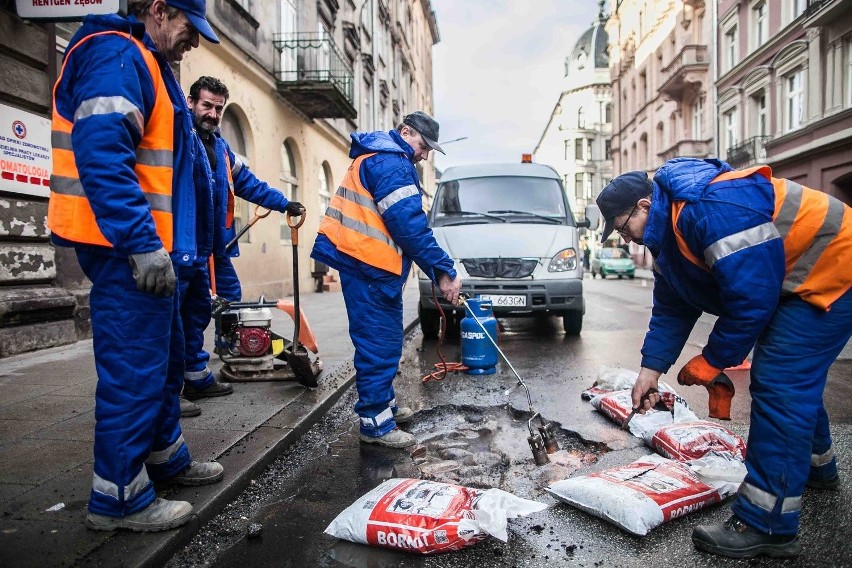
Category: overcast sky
<point>498,70</point>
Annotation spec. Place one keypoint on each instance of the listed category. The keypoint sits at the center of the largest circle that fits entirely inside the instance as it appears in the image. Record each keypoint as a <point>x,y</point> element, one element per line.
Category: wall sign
<point>67,9</point>
<point>25,160</point>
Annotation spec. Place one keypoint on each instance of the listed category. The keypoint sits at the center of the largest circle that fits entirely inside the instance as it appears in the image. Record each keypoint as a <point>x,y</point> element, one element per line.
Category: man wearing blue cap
<point>771,259</point>
<point>125,196</point>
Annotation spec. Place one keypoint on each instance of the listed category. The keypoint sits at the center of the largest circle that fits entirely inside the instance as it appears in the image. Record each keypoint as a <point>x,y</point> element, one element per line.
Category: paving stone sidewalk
<point>46,432</point>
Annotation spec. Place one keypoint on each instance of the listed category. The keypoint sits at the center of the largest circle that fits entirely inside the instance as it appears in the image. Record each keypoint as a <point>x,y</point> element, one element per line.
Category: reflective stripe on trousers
<point>375,326</point>
<point>140,372</point>
<point>791,361</point>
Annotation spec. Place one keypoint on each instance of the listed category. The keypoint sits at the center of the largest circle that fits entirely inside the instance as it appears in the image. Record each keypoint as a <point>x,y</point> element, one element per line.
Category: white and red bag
<point>429,517</point>
<point>618,405</point>
<point>683,441</point>
<point>641,495</point>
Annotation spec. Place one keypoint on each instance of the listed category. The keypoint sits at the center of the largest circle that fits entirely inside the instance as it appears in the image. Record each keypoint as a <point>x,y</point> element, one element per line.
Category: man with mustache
<point>207,99</point>
<point>123,196</point>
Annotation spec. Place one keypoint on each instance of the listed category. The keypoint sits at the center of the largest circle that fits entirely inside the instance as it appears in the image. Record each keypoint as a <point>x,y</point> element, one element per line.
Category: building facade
<point>662,86</point>
<point>576,140</point>
<point>302,75</point>
<point>785,89</point>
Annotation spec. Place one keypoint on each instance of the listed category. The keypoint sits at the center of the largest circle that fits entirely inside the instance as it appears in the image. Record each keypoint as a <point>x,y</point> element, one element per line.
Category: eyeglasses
<point>620,230</point>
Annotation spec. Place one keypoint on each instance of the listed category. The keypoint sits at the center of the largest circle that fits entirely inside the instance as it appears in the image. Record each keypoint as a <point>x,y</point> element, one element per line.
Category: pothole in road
<point>487,447</point>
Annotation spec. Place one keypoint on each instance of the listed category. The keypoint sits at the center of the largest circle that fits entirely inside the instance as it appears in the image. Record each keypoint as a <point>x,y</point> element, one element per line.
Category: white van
<point>510,231</point>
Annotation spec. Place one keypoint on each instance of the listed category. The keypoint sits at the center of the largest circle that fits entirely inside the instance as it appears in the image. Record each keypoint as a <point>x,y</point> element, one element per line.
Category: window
<point>578,185</point>
<point>643,87</point>
<point>761,119</point>
<point>849,72</point>
<point>581,118</point>
<point>288,27</point>
<point>324,188</point>
<point>607,149</point>
<point>795,100</point>
<point>797,8</point>
<point>761,24</point>
<point>578,148</point>
<point>608,113</point>
<point>567,150</point>
<point>290,185</point>
<point>587,186</point>
<point>590,143</point>
<point>730,129</point>
<point>698,119</point>
<point>232,131</point>
<point>731,48</point>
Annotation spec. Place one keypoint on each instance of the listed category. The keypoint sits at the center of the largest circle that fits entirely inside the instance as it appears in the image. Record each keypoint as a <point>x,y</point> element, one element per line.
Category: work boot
<point>829,484</point>
<point>188,409</point>
<point>160,515</point>
<point>735,539</point>
<point>403,414</point>
<point>396,438</point>
<point>214,389</point>
<point>199,473</point>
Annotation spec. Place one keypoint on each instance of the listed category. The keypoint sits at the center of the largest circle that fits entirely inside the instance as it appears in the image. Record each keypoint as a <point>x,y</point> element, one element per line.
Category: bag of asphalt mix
<point>429,517</point>
<point>642,495</point>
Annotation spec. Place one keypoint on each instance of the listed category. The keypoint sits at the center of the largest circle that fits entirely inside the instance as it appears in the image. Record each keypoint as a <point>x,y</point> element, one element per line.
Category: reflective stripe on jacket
<point>353,221</point>
<point>70,214</point>
<point>816,229</point>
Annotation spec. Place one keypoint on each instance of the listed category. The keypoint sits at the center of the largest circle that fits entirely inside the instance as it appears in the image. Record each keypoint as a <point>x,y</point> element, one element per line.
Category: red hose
<point>442,368</point>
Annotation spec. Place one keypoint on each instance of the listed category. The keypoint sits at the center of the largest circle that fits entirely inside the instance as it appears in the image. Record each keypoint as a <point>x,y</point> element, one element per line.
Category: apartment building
<point>785,89</point>
<point>662,86</point>
<point>661,82</point>
<point>576,140</point>
<point>302,75</point>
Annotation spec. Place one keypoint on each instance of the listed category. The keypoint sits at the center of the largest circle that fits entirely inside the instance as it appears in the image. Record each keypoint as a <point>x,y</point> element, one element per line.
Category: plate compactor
<point>245,342</point>
<point>251,351</point>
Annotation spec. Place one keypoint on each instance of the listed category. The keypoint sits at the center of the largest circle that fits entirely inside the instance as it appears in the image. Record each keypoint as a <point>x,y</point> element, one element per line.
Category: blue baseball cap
<point>196,11</point>
<point>621,194</point>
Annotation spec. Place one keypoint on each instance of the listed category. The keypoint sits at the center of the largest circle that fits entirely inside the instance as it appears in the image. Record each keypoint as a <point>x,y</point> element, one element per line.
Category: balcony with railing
<point>313,75</point>
<point>822,12</point>
<point>688,148</point>
<point>685,72</point>
<point>752,151</point>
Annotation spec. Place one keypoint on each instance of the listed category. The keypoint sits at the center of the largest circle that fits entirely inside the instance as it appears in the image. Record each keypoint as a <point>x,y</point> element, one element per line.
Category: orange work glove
<point>720,388</point>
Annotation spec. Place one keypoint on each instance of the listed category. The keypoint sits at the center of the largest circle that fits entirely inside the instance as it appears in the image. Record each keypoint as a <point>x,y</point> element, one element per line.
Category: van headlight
<point>564,261</point>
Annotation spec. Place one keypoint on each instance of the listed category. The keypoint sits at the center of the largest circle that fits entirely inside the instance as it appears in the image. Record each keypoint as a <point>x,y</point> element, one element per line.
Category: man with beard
<point>207,99</point>
<point>771,259</point>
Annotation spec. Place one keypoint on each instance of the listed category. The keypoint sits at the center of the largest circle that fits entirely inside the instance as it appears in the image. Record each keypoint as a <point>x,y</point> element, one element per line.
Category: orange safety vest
<point>353,223</point>
<point>817,233</point>
<point>69,213</point>
<point>229,216</point>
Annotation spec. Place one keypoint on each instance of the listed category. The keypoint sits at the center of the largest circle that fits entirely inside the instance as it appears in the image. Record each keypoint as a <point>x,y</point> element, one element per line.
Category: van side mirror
<point>593,216</point>
<point>584,223</point>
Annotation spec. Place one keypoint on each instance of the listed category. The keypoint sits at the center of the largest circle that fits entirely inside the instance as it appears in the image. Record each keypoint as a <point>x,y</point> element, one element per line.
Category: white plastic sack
<point>639,496</point>
<point>429,517</point>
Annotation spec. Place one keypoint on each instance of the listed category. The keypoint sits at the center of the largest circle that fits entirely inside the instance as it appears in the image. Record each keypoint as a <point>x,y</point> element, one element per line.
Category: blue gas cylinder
<point>478,353</point>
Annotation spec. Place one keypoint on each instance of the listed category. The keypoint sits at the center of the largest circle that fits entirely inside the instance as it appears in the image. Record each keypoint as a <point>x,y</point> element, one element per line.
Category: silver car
<point>513,238</point>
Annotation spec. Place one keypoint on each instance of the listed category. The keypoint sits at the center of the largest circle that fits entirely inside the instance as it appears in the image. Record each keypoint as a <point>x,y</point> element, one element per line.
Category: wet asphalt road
<point>295,499</point>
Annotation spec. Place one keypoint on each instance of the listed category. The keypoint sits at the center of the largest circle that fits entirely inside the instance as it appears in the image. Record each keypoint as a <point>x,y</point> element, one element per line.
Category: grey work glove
<point>153,272</point>
<point>295,208</point>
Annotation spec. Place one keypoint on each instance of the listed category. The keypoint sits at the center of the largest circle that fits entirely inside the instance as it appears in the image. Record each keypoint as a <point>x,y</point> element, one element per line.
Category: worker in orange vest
<point>772,259</point>
<point>123,196</point>
<point>373,229</point>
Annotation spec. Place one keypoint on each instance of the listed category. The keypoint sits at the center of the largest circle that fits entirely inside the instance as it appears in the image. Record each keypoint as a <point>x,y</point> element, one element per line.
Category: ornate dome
<point>591,49</point>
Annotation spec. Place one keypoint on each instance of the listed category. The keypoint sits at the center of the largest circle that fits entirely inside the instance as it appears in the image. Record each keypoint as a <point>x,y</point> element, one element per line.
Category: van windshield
<point>500,199</point>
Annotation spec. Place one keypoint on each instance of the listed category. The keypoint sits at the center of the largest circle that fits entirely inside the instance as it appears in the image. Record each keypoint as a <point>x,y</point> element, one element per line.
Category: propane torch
<point>542,442</point>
